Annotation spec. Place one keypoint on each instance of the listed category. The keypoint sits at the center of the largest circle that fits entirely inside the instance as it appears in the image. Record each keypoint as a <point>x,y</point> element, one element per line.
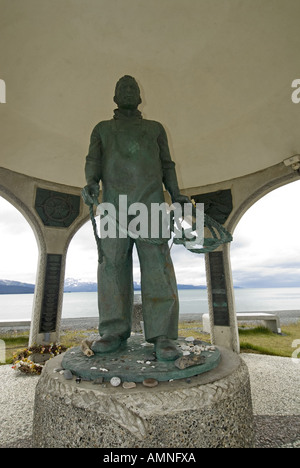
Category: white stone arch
<point>257,195</point>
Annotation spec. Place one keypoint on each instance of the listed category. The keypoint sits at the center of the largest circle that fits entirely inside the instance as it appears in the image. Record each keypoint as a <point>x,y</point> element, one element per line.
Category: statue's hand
<point>181,199</point>
<point>90,194</point>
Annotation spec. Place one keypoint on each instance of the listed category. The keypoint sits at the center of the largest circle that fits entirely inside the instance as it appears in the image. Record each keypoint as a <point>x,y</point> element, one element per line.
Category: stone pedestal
<point>210,410</point>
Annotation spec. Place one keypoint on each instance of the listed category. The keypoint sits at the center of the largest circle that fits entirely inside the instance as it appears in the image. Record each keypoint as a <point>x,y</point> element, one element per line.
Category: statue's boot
<point>166,349</point>
<point>106,344</point>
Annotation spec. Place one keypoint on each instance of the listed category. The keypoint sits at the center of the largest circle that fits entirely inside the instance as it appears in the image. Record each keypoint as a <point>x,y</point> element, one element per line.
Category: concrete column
<point>223,323</point>
<point>59,212</point>
<point>48,299</point>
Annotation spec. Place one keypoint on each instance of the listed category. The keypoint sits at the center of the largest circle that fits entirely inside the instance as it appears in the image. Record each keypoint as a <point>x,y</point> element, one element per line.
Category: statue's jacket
<point>131,157</point>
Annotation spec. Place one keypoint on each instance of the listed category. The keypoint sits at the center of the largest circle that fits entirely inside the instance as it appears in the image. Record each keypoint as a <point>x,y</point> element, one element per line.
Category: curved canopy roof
<point>217,74</point>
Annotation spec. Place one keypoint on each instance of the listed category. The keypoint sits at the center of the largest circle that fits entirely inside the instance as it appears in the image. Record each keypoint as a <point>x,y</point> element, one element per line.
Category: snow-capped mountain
<point>76,285</point>
<point>71,285</point>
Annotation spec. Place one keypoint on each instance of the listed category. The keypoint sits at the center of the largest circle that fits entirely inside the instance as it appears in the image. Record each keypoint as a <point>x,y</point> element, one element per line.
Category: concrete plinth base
<point>213,409</point>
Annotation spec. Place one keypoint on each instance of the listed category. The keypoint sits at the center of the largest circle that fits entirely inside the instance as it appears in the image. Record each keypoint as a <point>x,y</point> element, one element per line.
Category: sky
<point>265,251</point>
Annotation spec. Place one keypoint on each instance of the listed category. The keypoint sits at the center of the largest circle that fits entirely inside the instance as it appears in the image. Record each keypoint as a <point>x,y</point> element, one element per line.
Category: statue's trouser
<point>159,288</point>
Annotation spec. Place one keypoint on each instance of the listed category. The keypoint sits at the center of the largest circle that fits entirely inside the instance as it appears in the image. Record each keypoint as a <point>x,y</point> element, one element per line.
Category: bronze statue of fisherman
<point>130,156</point>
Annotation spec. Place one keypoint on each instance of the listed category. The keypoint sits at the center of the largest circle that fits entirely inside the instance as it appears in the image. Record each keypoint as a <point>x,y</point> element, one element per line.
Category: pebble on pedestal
<point>115,381</point>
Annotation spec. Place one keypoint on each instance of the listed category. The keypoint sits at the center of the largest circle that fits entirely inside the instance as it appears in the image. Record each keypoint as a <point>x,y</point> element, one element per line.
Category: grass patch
<point>13,344</point>
<point>257,340</point>
<point>193,329</point>
<point>71,338</point>
<point>263,341</point>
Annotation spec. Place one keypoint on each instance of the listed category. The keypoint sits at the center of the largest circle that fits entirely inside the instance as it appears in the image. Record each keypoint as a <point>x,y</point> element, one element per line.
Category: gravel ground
<point>275,384</point>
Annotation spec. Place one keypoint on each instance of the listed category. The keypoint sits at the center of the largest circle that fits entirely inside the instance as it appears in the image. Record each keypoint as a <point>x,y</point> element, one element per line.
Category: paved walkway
<point>275,384</point>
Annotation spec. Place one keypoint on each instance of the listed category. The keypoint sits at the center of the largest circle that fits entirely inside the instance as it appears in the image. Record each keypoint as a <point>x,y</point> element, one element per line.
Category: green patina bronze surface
<point>50,294</point>
<point>219,289</point>
<point>56,209</point>
<point>130,156</point>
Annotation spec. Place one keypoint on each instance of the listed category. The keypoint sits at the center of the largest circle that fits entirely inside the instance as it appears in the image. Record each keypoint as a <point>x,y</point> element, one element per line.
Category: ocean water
<point>192,301</point>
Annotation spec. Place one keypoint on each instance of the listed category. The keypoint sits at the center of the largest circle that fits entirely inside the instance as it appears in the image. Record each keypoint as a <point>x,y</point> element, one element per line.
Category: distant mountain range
<point>15,287</point>
<point>71,285</point>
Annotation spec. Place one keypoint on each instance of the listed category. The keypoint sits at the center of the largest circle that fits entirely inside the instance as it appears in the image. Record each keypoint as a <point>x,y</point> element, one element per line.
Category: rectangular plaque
<point>219,291</point>
<point>51,294</point>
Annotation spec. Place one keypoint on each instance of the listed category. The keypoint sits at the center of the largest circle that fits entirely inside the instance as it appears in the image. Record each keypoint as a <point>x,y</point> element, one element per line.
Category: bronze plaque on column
<point>51,294</point>
<point>218,287</point>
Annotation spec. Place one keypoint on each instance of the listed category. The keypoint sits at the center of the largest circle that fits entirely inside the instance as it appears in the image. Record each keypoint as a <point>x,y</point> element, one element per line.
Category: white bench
<point>15,323</point>
<point>270,321</point>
